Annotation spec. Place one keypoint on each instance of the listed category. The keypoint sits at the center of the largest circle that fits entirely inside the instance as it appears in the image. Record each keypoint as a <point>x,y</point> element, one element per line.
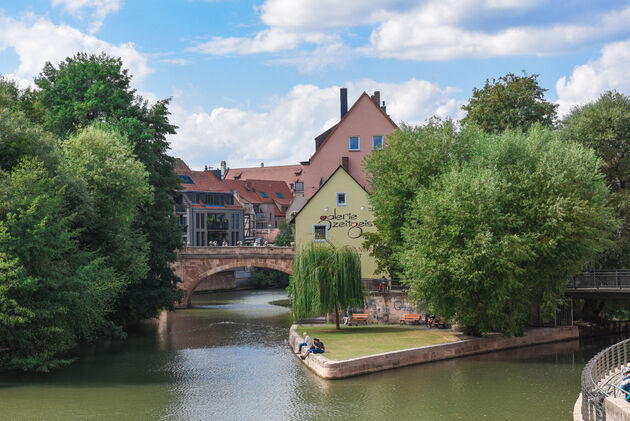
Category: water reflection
<point>227,358</point>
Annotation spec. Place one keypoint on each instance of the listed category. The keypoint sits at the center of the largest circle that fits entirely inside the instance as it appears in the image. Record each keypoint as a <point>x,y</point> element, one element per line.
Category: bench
<point>439,322</point>
<point>357,318</point>
<point>413,319</point>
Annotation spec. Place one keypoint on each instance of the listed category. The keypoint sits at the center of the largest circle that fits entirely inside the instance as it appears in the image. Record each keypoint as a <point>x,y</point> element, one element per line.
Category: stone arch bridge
<point>194,264</point>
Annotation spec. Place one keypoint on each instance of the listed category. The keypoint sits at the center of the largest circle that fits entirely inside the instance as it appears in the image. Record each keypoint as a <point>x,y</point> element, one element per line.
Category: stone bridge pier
<point>194,264</point>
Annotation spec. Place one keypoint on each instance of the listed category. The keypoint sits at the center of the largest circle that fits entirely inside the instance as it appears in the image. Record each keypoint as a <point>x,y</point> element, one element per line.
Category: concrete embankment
<point>328,369</point>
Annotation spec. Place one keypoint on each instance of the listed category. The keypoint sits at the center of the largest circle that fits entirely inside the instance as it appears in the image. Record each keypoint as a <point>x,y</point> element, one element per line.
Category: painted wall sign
<point>346,220</point>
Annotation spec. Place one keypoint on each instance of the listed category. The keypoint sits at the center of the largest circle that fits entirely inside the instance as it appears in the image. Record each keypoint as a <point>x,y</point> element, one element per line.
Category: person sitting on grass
<point>317,348</point>
<point>306,343</point>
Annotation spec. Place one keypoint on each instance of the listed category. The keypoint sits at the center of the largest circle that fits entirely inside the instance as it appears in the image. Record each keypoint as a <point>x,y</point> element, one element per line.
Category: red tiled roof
<point>286,173</point>
<point>251,191</point>
<point>203,181</point>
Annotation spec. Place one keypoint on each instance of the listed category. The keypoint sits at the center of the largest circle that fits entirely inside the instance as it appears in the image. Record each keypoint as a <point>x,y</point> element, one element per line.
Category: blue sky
<point>256,82</point>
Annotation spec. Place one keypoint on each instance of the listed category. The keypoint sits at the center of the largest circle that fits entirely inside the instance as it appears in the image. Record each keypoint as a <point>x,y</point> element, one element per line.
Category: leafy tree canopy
<point>53,294</point>
<point>326,279</point>
<point>95,88</point>
<point>285,235</point>
<point>510,102</point>
<point>604,125</point>
<point>497,223</point>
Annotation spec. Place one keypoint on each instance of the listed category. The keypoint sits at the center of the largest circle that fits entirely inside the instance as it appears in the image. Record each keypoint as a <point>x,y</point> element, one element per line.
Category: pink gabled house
<point>362,128</point>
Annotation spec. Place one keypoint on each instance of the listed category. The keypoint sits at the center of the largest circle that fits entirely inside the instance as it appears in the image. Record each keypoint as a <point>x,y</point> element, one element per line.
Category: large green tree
<point>510,102</point>
<point>496,225</point>
<point>87,88</point>
<point>326,279</point>
<point>113,186</point>
<point>604,125</point>
<point>53,294</point>
<point>412,158</point>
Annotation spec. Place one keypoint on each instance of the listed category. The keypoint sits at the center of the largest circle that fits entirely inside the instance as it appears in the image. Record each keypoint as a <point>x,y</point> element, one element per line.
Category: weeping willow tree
<point>325,279</point>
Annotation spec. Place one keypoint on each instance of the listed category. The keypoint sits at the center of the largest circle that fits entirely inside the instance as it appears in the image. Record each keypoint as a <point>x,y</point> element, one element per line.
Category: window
<point>280,195</point>
<point>263,194</point>
<point>342,199</point>
<point>354,144</point>
<point>320,232</point>
<point>186,179</point>
<point>299,186</point>
<point>377,142</point>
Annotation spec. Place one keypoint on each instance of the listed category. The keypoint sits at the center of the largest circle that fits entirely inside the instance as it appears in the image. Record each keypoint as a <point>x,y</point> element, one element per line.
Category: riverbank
<point>331,369</point>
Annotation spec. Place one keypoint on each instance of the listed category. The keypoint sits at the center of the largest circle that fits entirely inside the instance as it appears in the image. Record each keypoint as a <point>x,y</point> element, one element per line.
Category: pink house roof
<point>330,132</point>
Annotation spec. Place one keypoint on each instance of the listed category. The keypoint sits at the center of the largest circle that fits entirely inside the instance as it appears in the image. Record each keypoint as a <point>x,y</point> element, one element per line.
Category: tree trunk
<point>337,316</point>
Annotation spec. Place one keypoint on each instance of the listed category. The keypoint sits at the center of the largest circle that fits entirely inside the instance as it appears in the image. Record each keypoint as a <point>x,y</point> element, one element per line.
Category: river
<point>227,359</point>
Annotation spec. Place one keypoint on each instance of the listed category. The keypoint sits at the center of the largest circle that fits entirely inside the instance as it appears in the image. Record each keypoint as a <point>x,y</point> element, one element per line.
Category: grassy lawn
<point>359,341</point>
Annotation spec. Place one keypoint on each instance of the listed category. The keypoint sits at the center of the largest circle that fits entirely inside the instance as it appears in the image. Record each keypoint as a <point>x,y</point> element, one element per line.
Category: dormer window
<point>354,143</point>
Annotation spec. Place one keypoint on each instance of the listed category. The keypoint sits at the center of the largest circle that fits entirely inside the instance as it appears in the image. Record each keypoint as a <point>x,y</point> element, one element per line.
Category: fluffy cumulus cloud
<point>588,81</point>
<point>284,132</point>
<point>100,9</point>
<point>439,31</point>
<point>36,40</point>
<point>421,30</point>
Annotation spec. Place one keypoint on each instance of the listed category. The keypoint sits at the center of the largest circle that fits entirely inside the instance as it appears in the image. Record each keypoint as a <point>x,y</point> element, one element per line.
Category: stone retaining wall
<point>617,409</point>
<point>328,369</point>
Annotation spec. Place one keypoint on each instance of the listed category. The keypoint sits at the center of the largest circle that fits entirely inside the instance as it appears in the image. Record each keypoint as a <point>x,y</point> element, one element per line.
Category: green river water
<point>228,359</point>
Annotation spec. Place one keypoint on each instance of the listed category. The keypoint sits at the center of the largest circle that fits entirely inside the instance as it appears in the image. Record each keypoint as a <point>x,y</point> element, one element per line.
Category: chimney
<point>384,108</point>
<point>343,99</point>
<point>223,169</point>
<point>262,164</point>
<point>376,98</point>
<point>345,163</point>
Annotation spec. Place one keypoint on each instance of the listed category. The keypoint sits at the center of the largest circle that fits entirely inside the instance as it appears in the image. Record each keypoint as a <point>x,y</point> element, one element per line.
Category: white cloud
<point>269,40</point>
<point>36,40</point>
<point>417,30</point>
<point>284,132</point>
<point>588,81</point>
<point>436,31</point>
<point>100,9</point>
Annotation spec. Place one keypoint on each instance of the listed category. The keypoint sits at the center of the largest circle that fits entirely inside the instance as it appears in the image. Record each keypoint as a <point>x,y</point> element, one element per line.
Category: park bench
<point>413,319</point>
<point>439,322</point>
<point>357,318</point>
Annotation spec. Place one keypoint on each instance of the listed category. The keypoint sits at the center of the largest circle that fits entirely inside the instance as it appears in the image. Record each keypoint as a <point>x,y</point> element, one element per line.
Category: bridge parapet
<point>194,264</point>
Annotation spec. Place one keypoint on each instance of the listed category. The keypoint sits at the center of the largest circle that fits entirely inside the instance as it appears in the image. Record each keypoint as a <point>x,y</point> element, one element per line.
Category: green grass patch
<point>359,341</point>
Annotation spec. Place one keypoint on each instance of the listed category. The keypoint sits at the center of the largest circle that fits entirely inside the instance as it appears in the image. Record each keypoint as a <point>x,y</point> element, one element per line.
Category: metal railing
<point>601,279</point>
<point>600,379</point>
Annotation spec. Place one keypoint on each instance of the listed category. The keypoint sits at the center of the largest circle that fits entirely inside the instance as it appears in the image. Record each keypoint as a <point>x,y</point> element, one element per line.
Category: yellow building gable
<point>338,213</point>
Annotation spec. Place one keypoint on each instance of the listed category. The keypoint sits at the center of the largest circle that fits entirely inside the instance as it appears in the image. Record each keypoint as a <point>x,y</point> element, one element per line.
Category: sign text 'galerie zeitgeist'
<point>349,221</point>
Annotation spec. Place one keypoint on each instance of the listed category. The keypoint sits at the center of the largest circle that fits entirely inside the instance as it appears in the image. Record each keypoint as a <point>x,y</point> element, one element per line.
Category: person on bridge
<point>625,383</point>
<point>306,343</point>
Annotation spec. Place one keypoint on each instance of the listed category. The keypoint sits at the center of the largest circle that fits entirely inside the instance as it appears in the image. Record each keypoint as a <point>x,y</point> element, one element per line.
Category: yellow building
<point>338,213</point>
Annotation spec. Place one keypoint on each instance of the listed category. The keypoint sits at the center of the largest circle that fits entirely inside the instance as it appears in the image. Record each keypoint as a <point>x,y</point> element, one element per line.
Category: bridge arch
<point>195,264</point>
